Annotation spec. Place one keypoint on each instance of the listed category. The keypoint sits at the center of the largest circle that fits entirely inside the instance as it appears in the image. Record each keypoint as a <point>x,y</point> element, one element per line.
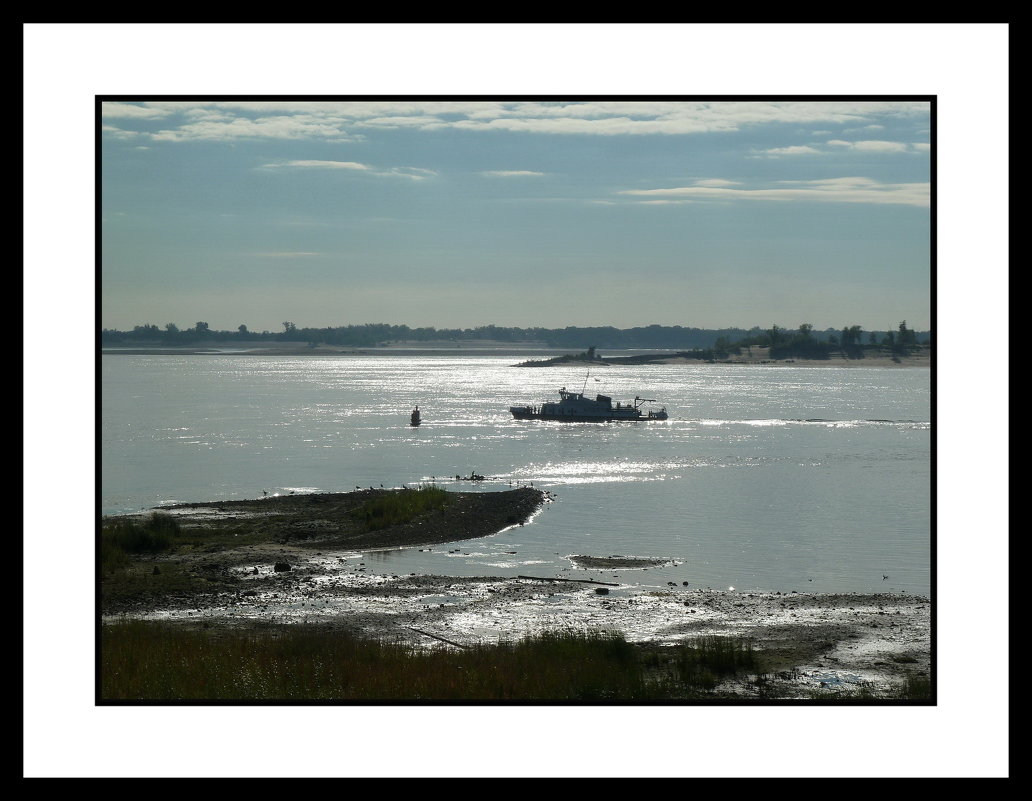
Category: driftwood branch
<point>442,639</point>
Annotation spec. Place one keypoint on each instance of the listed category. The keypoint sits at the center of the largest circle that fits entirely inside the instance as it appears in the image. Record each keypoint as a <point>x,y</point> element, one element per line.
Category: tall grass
<point>702,663</point>
<point>120,539</point>
<point>151,661</point>
<point>915,688</point>
<point>401,507</point>
<point>148,661</point>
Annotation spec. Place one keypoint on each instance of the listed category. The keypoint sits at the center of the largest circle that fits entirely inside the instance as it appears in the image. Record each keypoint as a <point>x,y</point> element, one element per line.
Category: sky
<point>538,211</point>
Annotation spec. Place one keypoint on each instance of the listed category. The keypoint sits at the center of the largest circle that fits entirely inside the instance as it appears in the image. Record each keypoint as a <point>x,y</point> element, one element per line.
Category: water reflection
<point>761,479</point>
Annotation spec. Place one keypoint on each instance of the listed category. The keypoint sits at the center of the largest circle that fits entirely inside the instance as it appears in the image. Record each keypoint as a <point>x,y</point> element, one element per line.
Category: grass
<point>125,579</point>
<point>703,663</point>
<point>708,660</point>
<point>159,661</point>
<point>152,661</point>
<point>401,507</point>
<point>915,688</point>
<point>139,584</point>
<point>121,539</point>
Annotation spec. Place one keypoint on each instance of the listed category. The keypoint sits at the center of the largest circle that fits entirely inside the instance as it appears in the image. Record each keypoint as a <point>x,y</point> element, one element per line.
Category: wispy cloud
<point>793,150</point>
<point>831,146</point>
<point>871,145</point>
<point>338,121</point>
<point>132,111</point>
<point>716,182</point>
<point>314,164</point>
<point>120,133</point>
<point>227,127</point>
<point>830,190</point>
<point>413,173</point>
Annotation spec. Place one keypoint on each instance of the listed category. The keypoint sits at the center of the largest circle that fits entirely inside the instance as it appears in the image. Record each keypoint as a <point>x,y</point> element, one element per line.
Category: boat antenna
<point>585,382</point>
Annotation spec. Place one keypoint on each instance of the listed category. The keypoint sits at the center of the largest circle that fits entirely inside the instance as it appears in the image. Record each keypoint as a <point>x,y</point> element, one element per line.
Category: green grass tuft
<point>401,507</point>
<point>120,539</point>
<point>705,661</point>
<point>915,688</point>
<point>154,661</point>
<point>160,661</point>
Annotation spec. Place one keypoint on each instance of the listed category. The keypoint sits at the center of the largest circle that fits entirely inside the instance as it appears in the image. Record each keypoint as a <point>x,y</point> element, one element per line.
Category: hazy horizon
<point>299,324</point>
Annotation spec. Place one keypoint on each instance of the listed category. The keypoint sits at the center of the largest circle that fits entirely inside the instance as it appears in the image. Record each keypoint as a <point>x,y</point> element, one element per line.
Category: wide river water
<point>770,478</point>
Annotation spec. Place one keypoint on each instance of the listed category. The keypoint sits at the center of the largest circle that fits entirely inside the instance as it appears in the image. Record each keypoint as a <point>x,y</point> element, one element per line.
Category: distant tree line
<point>803,342</point>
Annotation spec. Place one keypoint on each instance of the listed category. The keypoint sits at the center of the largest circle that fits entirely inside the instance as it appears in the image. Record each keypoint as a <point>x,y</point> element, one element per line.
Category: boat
<point>574,407</point>
<point>414,419</point>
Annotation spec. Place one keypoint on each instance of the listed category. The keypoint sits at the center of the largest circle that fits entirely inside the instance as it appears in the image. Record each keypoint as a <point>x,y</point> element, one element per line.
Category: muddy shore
<point>292,560</point>
<point>327,521</point>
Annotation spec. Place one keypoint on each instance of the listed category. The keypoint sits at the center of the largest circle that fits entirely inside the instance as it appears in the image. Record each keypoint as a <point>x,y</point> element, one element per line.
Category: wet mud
<point>832,642</point>
<point>329,519</point>
<point>309,568</point>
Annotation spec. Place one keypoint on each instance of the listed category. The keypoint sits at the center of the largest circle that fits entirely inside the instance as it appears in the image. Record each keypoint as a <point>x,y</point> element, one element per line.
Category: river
<point>764,477</point>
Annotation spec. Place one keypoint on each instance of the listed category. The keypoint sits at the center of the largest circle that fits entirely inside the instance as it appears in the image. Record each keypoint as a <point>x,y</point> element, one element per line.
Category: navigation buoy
<point>414,420</point>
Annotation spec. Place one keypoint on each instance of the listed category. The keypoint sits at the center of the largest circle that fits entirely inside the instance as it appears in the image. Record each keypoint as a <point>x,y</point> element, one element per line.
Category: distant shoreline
<point>758,357</point>
<point>616,357</point>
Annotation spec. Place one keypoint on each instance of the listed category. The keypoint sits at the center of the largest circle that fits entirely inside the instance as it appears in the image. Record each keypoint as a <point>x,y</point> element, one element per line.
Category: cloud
<point>319,165</point>
<point>114,109</point>
<point>509,173</point>
<point>413,173</point>
<point>879,146</point>
<point>679,116</point>
<point>337,120</point>
<point>829,190</point>
<point>119,133</point>
<point>418,121</point>
<point>226,128</point>
<point>794,150</point>
<point>863,146</point>
<point>871,145</point>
